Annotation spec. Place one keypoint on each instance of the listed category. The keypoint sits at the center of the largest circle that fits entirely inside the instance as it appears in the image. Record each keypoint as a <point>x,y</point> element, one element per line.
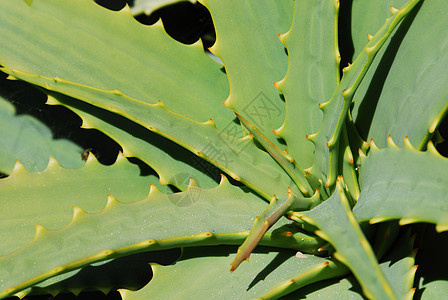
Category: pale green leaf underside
<point>240,158</point>
<point>173,164</point>
<point>24,138</point>
<point>404,184</point>
<point>203,273</point>
<point>84,43</point>
<point>248,44</point>
<point>405,94</point>
<point>312,74</point>
<point>46,198</point>
<point>222,215</point>
<point>338,226</point>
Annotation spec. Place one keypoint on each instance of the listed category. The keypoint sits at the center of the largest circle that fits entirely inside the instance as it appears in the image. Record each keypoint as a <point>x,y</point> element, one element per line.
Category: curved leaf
<point>173,164</point>
<point>405,93</point>
<point>84,43</point>
<point>254,58</point>
<point>312,76</point>
<point>26,139</point>
<point>268,273</point>
<point>403,184</point>
<point>47,197</point>
<point>240,158</point>
<point>222,215</point>
<point>338,226</point>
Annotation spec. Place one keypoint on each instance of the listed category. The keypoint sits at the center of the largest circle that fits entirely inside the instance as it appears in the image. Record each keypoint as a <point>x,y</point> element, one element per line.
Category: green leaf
<point>367,17</point>
<point>326,140</point>
<point>268,276</point>
<point>294,171</point>
<point>347,288</point>
<point>253,56</point>
<point>312,76</point>
<point>240,158</point>
<point>405,93</point>
<point>338,226</point>
<point>84,43</point>
<point>398,267</point>
<point>403,184</point>
<point>173,164</point>
<point>277,208</point>
<point>26,139</point>
<point>47,197</point>
<point>222,215</point>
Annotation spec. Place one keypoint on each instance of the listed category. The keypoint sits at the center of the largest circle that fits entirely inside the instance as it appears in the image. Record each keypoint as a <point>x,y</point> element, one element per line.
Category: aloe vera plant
<point>328,177</point>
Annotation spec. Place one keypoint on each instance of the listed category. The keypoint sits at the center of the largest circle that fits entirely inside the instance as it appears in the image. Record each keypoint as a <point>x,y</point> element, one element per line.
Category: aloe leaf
<point>346,288</point>
<point>222,215</point>
<point>338,226</point>
<point>326,140</point>
<point>348,165</point>
<point>367,17</point>
<point>173,164</point>
<point>253,56</point>
<point>100,48</point>
<point>269,277</point>
<point>404,184</point>
<point>408,70</point>
<point>398,267</point>
<point>277,208</point>
<point>130,272</point>
<point>312,76</point>
<point>239,158</point>
<point>47,197</point>
<point>294,171</point>
<point>28,140</point>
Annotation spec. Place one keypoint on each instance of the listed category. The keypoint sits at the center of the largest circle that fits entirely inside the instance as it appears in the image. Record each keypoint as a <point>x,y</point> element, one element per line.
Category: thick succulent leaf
<point>405,94</point>
<point>347,289</point>
<point>398,267</point>
<point>222,215</point>
<point>288,164</point>
<point>239,158</point>
<point>47,197</point>
<point>269,275</point>
<point>312,74</point>
<point>347,167</point>
<point>367,17</point>
<point>130,272</point>
<point>338,226</point>
<point>88,44</point>
<point>326,140</point>
<point>173,164</point>
<point>248,44</point>
<point>148,6</point>
<point>28,140</point>
<point>277,208</point>
<point>403,184</point>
